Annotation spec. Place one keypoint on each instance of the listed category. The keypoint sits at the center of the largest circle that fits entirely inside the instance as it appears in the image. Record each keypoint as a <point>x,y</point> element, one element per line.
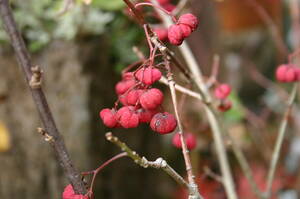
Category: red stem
<point>96,171</point>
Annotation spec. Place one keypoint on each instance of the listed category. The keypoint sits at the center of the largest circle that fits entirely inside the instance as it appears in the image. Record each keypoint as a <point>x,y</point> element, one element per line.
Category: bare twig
<point>39,98</point>
<point>264,82</point>
<point>295,14</point>
<point>245,166</point>
<point>214,72</point>
<point>213,175</point>
<point>182,89</point>
<point>143,162</point>
<point>96,171</point>
<point>185,151</point>
<point>279,141</point>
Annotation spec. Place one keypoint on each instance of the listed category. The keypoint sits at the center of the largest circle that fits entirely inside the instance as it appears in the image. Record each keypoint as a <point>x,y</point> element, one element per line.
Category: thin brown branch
<point>39,98</point>
<point>185,151</point>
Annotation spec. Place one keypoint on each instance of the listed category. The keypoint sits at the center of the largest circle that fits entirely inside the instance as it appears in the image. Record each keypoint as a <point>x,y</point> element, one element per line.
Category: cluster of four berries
<point>176,33</point>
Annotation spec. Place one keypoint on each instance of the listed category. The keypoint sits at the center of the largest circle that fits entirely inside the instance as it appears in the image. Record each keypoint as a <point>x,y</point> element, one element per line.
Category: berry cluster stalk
<point>214,123</point>
<point>39,97</point>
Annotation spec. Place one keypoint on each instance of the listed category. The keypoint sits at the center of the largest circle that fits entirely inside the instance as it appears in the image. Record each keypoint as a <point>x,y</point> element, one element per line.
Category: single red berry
<point>186,30</point>
<point>225,105</point>
<point>163,123</point>
<point>190,20</point>
<point>151,99</point>
<point>287,73</point>
<point>190,139</point>
<point>127,117</point>
<point>148,75</point>
<point>69,193</point>
<point>176,140</point>
<point>108,117</point>
<point>163,2</point>
<point>291,74</point>
<point>169,7</point>
<point>175,35</point>
<point>133,96</point>
<point>280,72</point>
<point>222,91</point>
<point>123,86</point>
<point>297,73</point>
<point>146,115</point>
<point>161,33</point>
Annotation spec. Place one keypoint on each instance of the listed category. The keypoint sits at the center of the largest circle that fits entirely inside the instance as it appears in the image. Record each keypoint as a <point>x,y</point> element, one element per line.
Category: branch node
<point>36,78</point>
<point>48,138</point>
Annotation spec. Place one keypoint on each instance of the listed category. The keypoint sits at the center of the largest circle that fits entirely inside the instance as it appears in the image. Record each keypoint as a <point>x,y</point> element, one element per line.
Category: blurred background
<point>82,51</point>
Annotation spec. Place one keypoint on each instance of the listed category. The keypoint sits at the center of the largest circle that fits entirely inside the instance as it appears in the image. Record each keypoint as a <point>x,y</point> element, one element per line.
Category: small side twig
<point>213,175</point>
<point>279,141</point>
<point>48,138</point>
<point>143,162</point>
<point>182,89</point>
<point>36,78</point>
<point>214,72</point>
<point>96,171</point>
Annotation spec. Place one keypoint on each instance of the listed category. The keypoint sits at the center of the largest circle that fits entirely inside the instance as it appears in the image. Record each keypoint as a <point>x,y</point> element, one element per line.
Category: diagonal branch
<point>39,98</point>
<point>279,141</point>
<point>159,163</point>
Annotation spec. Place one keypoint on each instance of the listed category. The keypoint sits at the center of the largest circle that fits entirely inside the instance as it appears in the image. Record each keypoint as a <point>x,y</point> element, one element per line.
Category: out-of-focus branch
<point>39,98</point>
<point>279,141</point>
<point>273,29</point>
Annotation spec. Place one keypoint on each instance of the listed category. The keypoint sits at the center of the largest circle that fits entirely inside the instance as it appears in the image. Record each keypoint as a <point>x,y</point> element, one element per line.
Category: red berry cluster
<point>176,33</point>
<point>221,92</point>
<point>190,139</point>
<point>288,73</point>
<point>70,194</point>
<point>186,24</point>
<point>140,103</point>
